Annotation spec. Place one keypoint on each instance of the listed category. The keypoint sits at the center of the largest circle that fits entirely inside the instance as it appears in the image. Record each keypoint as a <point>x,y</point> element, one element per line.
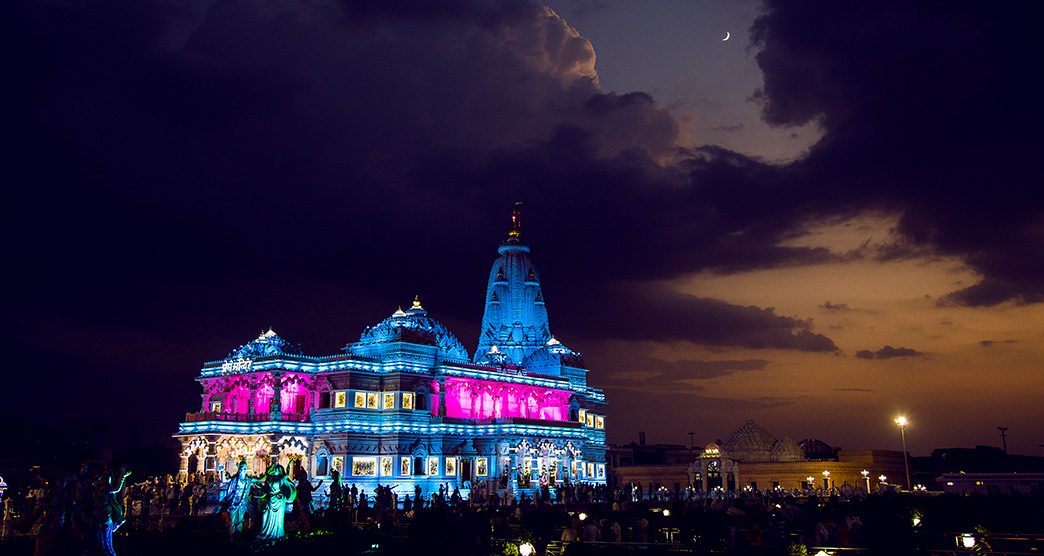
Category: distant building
<point>405,405</point>
<point>993,483</point>
<point>980,470</point>
<point>752,458</point>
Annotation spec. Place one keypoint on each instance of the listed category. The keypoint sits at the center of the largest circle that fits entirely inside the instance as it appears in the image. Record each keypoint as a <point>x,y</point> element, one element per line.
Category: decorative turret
<point>515,319</point>
<point>411,326</point>
<point>267,344</point>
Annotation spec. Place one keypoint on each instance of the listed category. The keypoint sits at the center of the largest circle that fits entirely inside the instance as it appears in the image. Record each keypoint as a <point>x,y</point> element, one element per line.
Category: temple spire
<point>515,319</point>
<point>515,235</point>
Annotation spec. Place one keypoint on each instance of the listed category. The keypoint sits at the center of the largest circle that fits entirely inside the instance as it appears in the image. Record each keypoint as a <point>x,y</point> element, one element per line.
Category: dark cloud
<point>662,314</point>
<point>991,343</point>
<point>888,352</point>
<point>834,307</point>
<point>191,172</point>
<point>636,364</point>
<point>924,112</point>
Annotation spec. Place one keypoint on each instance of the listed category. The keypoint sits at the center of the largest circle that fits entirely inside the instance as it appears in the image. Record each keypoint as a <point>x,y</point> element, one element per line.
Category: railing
<point>244,417</point>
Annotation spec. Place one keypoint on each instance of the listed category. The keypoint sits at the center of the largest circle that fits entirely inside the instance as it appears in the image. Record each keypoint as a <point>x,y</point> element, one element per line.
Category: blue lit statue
<point>111,513</point>
<point>236,499</point>
<point>278,492</point>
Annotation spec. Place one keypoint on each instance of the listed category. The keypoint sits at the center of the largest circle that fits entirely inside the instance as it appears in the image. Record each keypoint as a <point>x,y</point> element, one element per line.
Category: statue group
<point>272,491</point>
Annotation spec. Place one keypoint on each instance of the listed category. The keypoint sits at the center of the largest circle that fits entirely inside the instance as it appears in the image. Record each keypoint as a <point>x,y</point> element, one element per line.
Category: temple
<point>405,405</point>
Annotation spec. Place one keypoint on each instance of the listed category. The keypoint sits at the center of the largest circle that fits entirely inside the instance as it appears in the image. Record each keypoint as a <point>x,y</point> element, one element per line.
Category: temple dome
<point>787,450</point>
<point>412,326</point>
<point>815,449</point>
<point>750,443</point>
<point>268,344</point>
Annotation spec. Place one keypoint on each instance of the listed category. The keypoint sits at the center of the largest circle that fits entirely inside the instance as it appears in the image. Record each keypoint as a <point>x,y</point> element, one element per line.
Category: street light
<point>866,477</point>
<point>902,422</point>
<point>526,549</point>
<point>811,482</point>
<point>826,480</point>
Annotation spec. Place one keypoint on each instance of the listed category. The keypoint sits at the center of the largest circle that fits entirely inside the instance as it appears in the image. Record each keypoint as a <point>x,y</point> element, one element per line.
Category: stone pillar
<point>210,465</point>
<point>442,396</point>
<point>252,402</point>
<point>512,476</point>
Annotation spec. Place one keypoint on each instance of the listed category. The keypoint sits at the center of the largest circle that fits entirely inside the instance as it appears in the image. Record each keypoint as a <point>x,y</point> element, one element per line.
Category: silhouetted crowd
<point>79,514</point>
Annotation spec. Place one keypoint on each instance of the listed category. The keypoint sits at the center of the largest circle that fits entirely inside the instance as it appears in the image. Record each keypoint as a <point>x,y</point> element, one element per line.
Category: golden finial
<point>516,223</point>
<point>416,302</point>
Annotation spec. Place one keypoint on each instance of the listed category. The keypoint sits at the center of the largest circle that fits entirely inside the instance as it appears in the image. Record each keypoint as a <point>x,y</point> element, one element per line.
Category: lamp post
<point>691,442</point>
<point>811,482</point>
<point>881,481</point>
<point>902,422</point>
<point>826,480</point>
<point>866,477</point>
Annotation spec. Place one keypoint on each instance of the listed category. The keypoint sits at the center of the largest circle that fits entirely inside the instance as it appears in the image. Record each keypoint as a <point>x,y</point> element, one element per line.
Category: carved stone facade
<point>752,458</point>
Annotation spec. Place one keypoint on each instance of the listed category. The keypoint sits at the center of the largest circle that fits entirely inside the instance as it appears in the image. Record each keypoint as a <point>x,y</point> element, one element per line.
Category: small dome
<point>413,326</point>
<point>549,358</point>
<point>750,443</point>
<point>815,449</point>
<point>268,344</point>
<point>787,450</point>
<point>556,347</point>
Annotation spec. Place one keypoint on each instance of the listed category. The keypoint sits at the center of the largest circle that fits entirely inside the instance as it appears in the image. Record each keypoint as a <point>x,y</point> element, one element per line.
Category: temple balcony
<point>244,417</point>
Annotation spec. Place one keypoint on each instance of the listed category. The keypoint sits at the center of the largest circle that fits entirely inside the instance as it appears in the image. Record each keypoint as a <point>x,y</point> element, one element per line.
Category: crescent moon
<point>727,35</point>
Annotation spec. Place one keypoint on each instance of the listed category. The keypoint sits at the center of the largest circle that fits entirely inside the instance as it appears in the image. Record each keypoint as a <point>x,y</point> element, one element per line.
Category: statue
<point>304,498</point>
<point>236,499</point>
<point>110,512</point>
<point>336,492</point>
<point>278,491</point>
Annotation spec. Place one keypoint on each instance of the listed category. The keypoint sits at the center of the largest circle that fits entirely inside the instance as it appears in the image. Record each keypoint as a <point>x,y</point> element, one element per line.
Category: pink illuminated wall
<point>483,399</point>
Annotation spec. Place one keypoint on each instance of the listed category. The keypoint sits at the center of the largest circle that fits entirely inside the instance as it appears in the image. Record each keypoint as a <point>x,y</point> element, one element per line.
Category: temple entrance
<point>713,479</point>
<point>465,470</point>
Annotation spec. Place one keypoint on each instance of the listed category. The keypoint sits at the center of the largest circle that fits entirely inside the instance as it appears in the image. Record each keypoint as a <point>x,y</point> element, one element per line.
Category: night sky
<point>829,219</point>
